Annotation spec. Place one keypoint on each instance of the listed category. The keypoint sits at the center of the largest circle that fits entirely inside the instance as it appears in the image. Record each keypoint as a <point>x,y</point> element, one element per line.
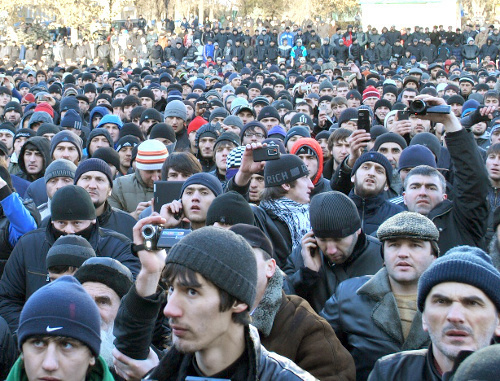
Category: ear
<point>445,196</point>
<point>352,179</point>
<point>404,198</point>
<point>239,307</point>
<point>425,326</point>
<point>497,328</point>
<point>286,187</point>
<point>92,361</point>
<point>271,268</point>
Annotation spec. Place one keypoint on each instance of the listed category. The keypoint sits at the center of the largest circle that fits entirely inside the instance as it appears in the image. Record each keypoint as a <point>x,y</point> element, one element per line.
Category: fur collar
<point>263,316</point>
<point>495,251</point>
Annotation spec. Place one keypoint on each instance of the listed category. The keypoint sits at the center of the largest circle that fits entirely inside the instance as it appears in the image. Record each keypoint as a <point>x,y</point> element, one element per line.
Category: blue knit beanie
<point>462,264</point>
<point>110,118</point>
<point>62,308</point>
<point>205,179</point>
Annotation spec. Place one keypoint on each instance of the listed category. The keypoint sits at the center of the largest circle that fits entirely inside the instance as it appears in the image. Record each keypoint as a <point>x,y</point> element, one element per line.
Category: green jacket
<point>100,372</point>
<point>129,191</point>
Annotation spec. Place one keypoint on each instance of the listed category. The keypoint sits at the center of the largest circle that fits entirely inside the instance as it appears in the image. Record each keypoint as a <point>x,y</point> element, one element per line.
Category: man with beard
<point>460,304</point>
<point>13,113</point>
<point>366,184</point>
<point>391,145</point>
<point>72,212</point>
<point>94,175</point>
<point>107,281</point>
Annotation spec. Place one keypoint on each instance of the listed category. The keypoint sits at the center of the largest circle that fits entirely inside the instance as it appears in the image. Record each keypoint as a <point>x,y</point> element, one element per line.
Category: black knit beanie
<point>333,215</point>
<point>109,155</point>
<point>94,164</point>
<point>230,266</point>
<point>389,137</point>
<point>72,203</point>
<point>230,208</point>
<point>99,132</point>
<point>69,250</point>
<point>107,271</point>
<point>462,264</point>
<point>163,130</point>
<point>382,103</point>
<point>284,170</point>
<point>376,158</point>
<point>127,141</point>
<point>480,365</point>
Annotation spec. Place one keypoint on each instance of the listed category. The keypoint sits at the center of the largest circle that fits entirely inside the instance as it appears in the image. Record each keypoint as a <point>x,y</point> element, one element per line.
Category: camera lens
<point>418,107</point>
<point>148,231</point>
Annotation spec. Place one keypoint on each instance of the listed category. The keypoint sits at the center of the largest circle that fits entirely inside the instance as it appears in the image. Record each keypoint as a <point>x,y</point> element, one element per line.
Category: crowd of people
<point>337,195</point>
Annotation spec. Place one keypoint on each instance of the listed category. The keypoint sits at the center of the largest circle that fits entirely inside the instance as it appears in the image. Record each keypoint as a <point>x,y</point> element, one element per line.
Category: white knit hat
<point>151,154</point>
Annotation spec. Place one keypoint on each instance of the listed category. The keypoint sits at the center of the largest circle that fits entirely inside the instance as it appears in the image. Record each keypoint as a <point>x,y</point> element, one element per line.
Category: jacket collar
<point>371,203</point>
<point>263,316</point>
<point>385,313</point>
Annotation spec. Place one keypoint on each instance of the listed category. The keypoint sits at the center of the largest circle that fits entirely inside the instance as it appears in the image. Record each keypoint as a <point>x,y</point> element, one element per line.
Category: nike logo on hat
<point>52,329</point>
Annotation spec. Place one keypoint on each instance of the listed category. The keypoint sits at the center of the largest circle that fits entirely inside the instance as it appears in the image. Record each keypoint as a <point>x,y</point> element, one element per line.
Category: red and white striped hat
<point>150,155</point>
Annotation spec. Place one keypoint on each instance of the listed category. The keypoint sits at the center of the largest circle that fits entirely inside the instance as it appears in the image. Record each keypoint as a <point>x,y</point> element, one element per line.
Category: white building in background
<point>410,13</point>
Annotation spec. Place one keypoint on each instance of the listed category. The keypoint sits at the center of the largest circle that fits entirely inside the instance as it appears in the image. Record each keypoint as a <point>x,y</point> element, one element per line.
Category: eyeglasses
<point>252,134</point>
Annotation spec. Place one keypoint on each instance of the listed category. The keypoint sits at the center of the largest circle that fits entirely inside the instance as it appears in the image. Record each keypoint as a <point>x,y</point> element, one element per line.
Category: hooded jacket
<point>320,183</point>
<point>43,145</point>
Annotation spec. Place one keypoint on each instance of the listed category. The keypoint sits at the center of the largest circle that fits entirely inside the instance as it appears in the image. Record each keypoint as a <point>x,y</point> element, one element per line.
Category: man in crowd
<point>386,301</point>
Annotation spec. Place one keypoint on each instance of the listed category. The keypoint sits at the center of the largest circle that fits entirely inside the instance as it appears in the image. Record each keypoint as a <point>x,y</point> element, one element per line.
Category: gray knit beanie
<point>333,215</point>
<point>462,264</point>
<point>233,120</point>
<point>69,250</point>
<point>284,170</point>
<point>231,266</point>
<point>176,108</point>
<point>60,168</point>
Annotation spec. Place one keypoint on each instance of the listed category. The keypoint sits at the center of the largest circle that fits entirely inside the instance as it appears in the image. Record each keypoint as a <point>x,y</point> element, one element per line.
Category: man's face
<point>478,129</point>
<point>301,192</point>
<point>68,151</point>
<point>419,125</point>
<point>146,102</point>
<point>125,156</point>
<point>84,106</point>
<point>337,109</point>
<point>381,112</point>
<point>311,161</point>
<point>495,136</point>
<point>456,108</point>
<point>370,102</point>
<point>340,150</point>
<point>392,151</point>
<point>206,146</point>
<point>195,317</point>
<point>196,200</point>
<point>8,139</point>
<point>369,180</point>
<point>491,101</point>
<point>106,299</point>
<point>13,116</point>
<point>338,250</point>
<point>57,358</point>
<point>406,259</point>
<point>173,175</point>
<point>465,87</point>
<point>97,186</point>
<point>221,153</point>
<point>176,123</point>
<point>255,188</point>
<point>113,130</point>
<point>33,161</point>
<point>72,226</point>
<point>150,176</point>
<point>459,317</point>
<point>342,91</point>
<point>493,166</point>
<point>423,193</point>
<point>55,184</point>
<point>253,135</point>
<point>269,122</point>
<point>4,99</point>
<point>407,97</point>
<point>98,142</point>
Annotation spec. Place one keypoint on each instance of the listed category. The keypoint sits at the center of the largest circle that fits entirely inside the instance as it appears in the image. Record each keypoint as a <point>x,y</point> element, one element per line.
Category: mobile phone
<point>165,192</point>
<point>322,107</point>
<point>403,115</point>
<point>266,153</point>
<point>202,105</point>
<point>364,120</point>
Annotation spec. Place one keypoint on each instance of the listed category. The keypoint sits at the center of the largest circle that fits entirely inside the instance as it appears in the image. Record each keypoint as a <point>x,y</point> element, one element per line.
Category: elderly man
<point>460,304</point>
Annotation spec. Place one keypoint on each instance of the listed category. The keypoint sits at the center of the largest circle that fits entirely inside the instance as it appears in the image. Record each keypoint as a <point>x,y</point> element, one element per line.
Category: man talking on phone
<point>334,250</point>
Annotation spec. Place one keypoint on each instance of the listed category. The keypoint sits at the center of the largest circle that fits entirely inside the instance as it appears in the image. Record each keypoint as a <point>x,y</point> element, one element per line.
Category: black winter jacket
<point>317,287</point>
<point>26,270</point>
